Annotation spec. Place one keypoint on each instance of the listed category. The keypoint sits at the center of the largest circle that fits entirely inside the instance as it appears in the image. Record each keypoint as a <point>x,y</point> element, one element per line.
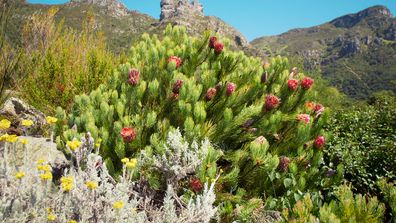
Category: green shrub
<point>388,190</point>
<point>61,63</point>
<point>268,147</point>
<point>346,207</point>
<point>364,140</point>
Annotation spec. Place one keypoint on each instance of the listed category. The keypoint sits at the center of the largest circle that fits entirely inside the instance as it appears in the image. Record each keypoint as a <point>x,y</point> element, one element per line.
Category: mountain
<point>355,52</point>
<point>122,27</point>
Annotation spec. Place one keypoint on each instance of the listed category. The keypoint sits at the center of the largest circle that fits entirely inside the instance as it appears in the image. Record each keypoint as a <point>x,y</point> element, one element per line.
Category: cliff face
<point>355,52</point>
<point>191,15</point>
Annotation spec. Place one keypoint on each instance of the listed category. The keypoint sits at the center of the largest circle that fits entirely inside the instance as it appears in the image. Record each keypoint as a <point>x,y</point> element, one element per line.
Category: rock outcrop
<point>191,15</point>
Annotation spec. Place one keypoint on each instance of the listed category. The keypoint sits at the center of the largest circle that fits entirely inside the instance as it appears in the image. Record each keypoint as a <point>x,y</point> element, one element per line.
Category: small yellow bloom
<point>67,183</point>
<point>73,145</point>
<point>40,161</point>
<point>212,180</point>
<point>19,175</point>
<point>99,140</point>
<point>51,217</point>
<point>221,171</point>
<point>91,185</point>
<point>118,205</point>
<point>45,168</point>
<point>125,160</point>
<point>46,176</point>
<point>27,123</point>
<point>51,120</point>
<point>131,164</point>
<point>4,137</point>
<point>72,221</point>
<point>97,145</point>
<point>24,141</point>
<point>5,124</point>
<point>12,138</point>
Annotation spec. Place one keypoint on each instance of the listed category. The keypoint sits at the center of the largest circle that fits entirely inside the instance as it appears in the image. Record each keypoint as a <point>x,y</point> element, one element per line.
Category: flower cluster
<point>134,76</point>
<point>128,134</point>
<point>271,102</point>
<point>216,45</point>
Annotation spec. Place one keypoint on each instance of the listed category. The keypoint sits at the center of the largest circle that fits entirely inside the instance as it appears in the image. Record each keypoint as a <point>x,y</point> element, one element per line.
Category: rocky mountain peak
<point>114,7</point>
<point>180,8</point>
<point>350,20</point>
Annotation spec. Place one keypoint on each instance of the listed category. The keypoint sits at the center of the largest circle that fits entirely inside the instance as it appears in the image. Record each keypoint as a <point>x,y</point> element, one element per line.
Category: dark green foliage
<point>364,140</point>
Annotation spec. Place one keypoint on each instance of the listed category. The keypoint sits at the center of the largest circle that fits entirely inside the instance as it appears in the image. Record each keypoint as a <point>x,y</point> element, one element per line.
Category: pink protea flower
<point>176,86</point>
<point>134,76</point>
<point>271,102</point>
<point>212,42</point>
<point>210,93</point>
<point>284,162</point>
<point>292,84</point>
<point>319,109</point>
<point>230,88</point>
<point>176,60</point>
<point>128,134</point>
<point>319,142</point>
<point>303,118</point>
<point>196,185</point>
<point>218,47</point>
<point>307,83</point>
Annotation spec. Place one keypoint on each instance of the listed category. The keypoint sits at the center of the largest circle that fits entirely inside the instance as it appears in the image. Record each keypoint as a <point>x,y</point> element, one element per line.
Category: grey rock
<point>37,148</point>
<point>17,110</point>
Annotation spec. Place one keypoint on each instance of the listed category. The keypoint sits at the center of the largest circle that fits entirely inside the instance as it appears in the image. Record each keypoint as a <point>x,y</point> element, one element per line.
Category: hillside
<point>122,27</point>
<point>355,52</point>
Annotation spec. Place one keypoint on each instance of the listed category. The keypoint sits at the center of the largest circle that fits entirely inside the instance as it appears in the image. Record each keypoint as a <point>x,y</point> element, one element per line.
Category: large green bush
<point>364,140</point>
<point>271,142</point>
<point>60,62</point>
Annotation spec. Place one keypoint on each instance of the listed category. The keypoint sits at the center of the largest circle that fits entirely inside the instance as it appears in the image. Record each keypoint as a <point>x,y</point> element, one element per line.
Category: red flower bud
<point>177,86</point>
<point>283,163</point>
<point>212,41</point>
<point>292,84</point>
<point>307,83</point>
<point>230,88</point>
<point>271,102</point>
<point>319,142</point>
<point>128,134</point>
<point>134,76</point>
<point>176,60</point>
<point>210,93</point>
<point>196,185</point>
<point>218,47</point>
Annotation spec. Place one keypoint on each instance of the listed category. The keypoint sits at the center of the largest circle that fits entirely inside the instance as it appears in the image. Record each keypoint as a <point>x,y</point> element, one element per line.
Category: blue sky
<point>255,18</point>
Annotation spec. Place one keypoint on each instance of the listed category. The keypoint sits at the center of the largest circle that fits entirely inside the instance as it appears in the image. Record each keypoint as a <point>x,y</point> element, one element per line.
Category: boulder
<point>15,110</point>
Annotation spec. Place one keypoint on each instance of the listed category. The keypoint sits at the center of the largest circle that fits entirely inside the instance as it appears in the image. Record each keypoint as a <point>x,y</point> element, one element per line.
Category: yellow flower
<point>212,180</point>
<point>46,176</point>
<point>12,138</point>
<point>4,137</point>
<point>125,160</point>
<point>72,221</point>
<point>131,164</point>
<point>99,140</point>
<point>5,124</point>
<point>45,168</point>
<point>51,217</point>
<point>97,145</point>
<point>40,161</point>
<point>19,175</point>
<point>73,145</point>
<point>51,120</point>
<point>27,123</point>
<point>67,183</point>
<point>118,204</point>
<point>24,141</point>
<point>91,185</point>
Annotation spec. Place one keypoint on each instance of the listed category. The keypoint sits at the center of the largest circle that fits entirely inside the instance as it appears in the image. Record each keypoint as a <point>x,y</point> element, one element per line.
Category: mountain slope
<point>122,27</point>
<point>355,52</point>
